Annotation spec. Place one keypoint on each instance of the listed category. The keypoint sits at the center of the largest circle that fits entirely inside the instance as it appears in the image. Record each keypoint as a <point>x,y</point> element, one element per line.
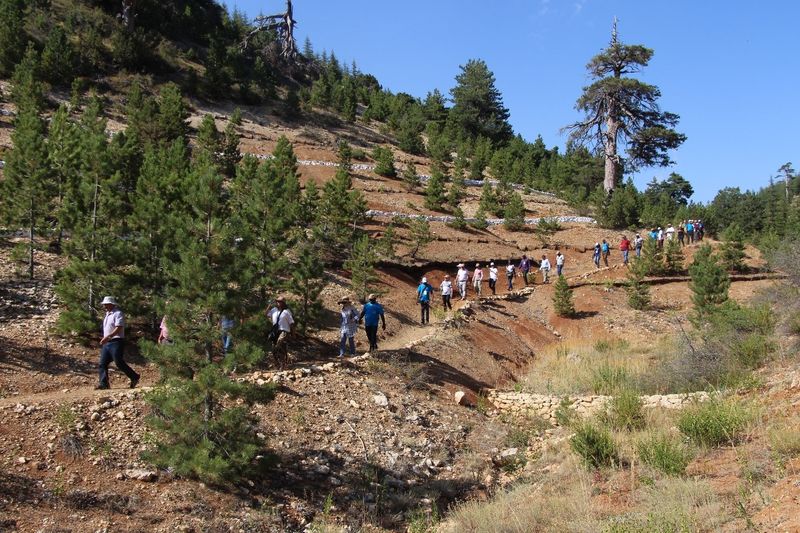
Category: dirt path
<point>71,395</point>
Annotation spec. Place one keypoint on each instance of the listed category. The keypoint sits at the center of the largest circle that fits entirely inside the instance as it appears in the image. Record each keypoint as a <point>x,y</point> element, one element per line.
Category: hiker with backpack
<point>282,323</point>
<point>370,314</point>
<point>349,326</point>
<point>424,292</point>
<point>605,250</point>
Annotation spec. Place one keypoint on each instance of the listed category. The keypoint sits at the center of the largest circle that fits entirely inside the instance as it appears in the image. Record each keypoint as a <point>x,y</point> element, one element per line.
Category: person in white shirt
<point>670,232</point>
<point>510,274</point>
<point>282,323</point>
<point>461,279</point>
<point>447,292</point>
<point>113,344</point>
<point>493,277</point>
<point>660,236</point>
<point>477,279</point>
<point>559,263</point>
<point>544,266</point>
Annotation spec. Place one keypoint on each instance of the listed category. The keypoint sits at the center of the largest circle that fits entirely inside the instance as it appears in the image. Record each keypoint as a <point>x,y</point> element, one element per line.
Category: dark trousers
<point>372,335</point>
<point>510,281</point>
<point>525,276</point>
<point>425,312</point>
<point>492,285</point>
<point>113,351</point>
<point>446,301</point>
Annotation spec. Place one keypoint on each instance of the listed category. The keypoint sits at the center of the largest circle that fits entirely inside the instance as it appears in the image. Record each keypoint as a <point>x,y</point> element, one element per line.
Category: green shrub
<point>714,422</point>
<point>664,453</point>
<point>384,162</point>
<point>565,414</point>
<point>594,445</point>
<point>608,379</point>
<point>751,351</point>
<point>625,411</point>
<point>602,346</point>
<point>562,298</point>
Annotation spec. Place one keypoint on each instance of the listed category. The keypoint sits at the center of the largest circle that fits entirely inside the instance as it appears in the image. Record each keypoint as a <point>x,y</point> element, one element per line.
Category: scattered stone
<point>141,474</point>
<point>380,400</point>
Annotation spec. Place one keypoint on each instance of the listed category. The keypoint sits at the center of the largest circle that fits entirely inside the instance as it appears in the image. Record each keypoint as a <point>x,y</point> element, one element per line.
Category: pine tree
<point>488,201</point>
<point>732,250</point>
<point>457,191</point>
<point>361,265</point>
<point>673,257</point>
<point>63,155</point>
<point>709,283</point>
<point>172,115</point>
<point>515,213</point>
<point>58,58</point>
<point>478,108</point>
<point>458,221</point>
<point>208,138</point>
<point>26,82</point>
<point>652,257</point>
<point>421,235</point>
<point>291,107</point>
<point>410,177</point>
<point>562,298</point>
<point>387,243</point>
<point>98,250</point>
<point>12,34</point>
<point>342,209</point>
<point>28,187</point>
<point>309,205</point>
<point>434,190</point>
<point>638,290</point>
<point>384,162</point>
<point>229,155</point>
<point>306,282</point>
<point>479,222</point>
<point>197,434</point>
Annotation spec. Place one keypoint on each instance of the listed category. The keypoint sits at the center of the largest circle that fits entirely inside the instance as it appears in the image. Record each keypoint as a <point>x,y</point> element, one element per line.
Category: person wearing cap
<point>477,279</point>
<point>544,266</point>
<point>349,326</point>
<point>510,274</point>
<point>283,321</point>
<point>461,279</point>
<point>424,298</point>
<point>493,278</point>
<point>371,312</point>
<point>446,289</point>
<point>113,344</point>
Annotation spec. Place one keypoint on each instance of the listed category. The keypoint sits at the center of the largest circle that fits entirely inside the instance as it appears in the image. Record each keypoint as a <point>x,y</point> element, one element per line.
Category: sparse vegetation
<point>665,453</point>
<point>594,444</point>
<point>715,422</point>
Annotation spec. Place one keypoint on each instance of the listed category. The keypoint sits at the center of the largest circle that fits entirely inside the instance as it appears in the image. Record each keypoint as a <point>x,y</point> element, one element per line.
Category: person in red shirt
<point>625,247</point>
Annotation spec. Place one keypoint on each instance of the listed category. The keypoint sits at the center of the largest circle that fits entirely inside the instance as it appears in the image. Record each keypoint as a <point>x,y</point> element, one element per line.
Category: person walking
<point>596,255</point>
<point>493,278</point>
<point>681,232</point>
<point>605,250</point>
<point>371,313</point>
<point>348,326</point>
<point>699,229</point>
<point>525,268</point>
<point>163,332</point>
<point>477,279</point>
<point>544,266</point>
<point>510,275</point>
<point>226,324</point>
<point>625,248</point>
<point>113,344</point>
<point>462,276</point>
<point>660,237</point>
<point>638,242</point>
<point>424,298</point>
<point>282,324</point>
<point>559,263</point>
<point>670,232</point>
<point>447,292</point>
<point>690,232</point>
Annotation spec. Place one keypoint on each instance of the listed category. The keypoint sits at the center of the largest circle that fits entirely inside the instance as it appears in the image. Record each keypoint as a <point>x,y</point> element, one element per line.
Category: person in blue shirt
<point>424,292</point>
<point>370,314</point>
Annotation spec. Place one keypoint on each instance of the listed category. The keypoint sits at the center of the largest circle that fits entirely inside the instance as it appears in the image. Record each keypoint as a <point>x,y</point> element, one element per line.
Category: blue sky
<point>729,69</point>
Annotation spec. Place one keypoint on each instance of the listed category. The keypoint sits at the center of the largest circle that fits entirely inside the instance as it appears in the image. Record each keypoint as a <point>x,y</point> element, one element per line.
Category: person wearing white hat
<point>462,276</point>
<point>493,278</point>
<point>424,292</point>
<point>113,344</point>
<point>447,292</point>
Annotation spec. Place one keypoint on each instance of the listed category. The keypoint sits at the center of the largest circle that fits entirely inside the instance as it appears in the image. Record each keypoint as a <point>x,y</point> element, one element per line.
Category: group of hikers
<point>687,232</point>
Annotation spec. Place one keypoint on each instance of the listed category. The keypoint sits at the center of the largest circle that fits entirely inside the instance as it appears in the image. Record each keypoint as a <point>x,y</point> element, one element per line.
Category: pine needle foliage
<point>638,290</point>
<point>562,298</point>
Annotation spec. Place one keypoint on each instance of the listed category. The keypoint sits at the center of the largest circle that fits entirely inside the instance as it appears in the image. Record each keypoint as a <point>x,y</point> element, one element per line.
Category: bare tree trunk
<point>30,240</point>
<point>612,160</point>
<point>94,240</point>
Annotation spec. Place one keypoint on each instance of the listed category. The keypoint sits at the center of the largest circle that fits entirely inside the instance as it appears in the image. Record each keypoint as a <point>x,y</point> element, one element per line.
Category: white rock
<point>141,474</point>
<point>380,400</point>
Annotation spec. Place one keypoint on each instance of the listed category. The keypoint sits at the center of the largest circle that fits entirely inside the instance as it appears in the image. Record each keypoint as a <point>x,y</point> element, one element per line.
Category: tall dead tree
<point>283,25</point>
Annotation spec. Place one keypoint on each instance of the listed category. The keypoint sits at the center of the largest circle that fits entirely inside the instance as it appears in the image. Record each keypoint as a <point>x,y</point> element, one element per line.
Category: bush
<point>384,162</point>
<point>625,411</point>
<point>714,422</point>
<point>562,298</point>
<point>751,351</point>
<point>608,379</point>
<point>594,445</point>
<point>664,453</point>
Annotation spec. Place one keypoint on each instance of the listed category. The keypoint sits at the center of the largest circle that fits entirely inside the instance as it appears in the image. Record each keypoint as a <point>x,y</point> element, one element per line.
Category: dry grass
<point>784,437</point>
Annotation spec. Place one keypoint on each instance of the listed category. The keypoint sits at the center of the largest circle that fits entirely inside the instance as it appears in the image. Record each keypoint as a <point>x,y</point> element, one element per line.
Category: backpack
<point>275,332</point>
